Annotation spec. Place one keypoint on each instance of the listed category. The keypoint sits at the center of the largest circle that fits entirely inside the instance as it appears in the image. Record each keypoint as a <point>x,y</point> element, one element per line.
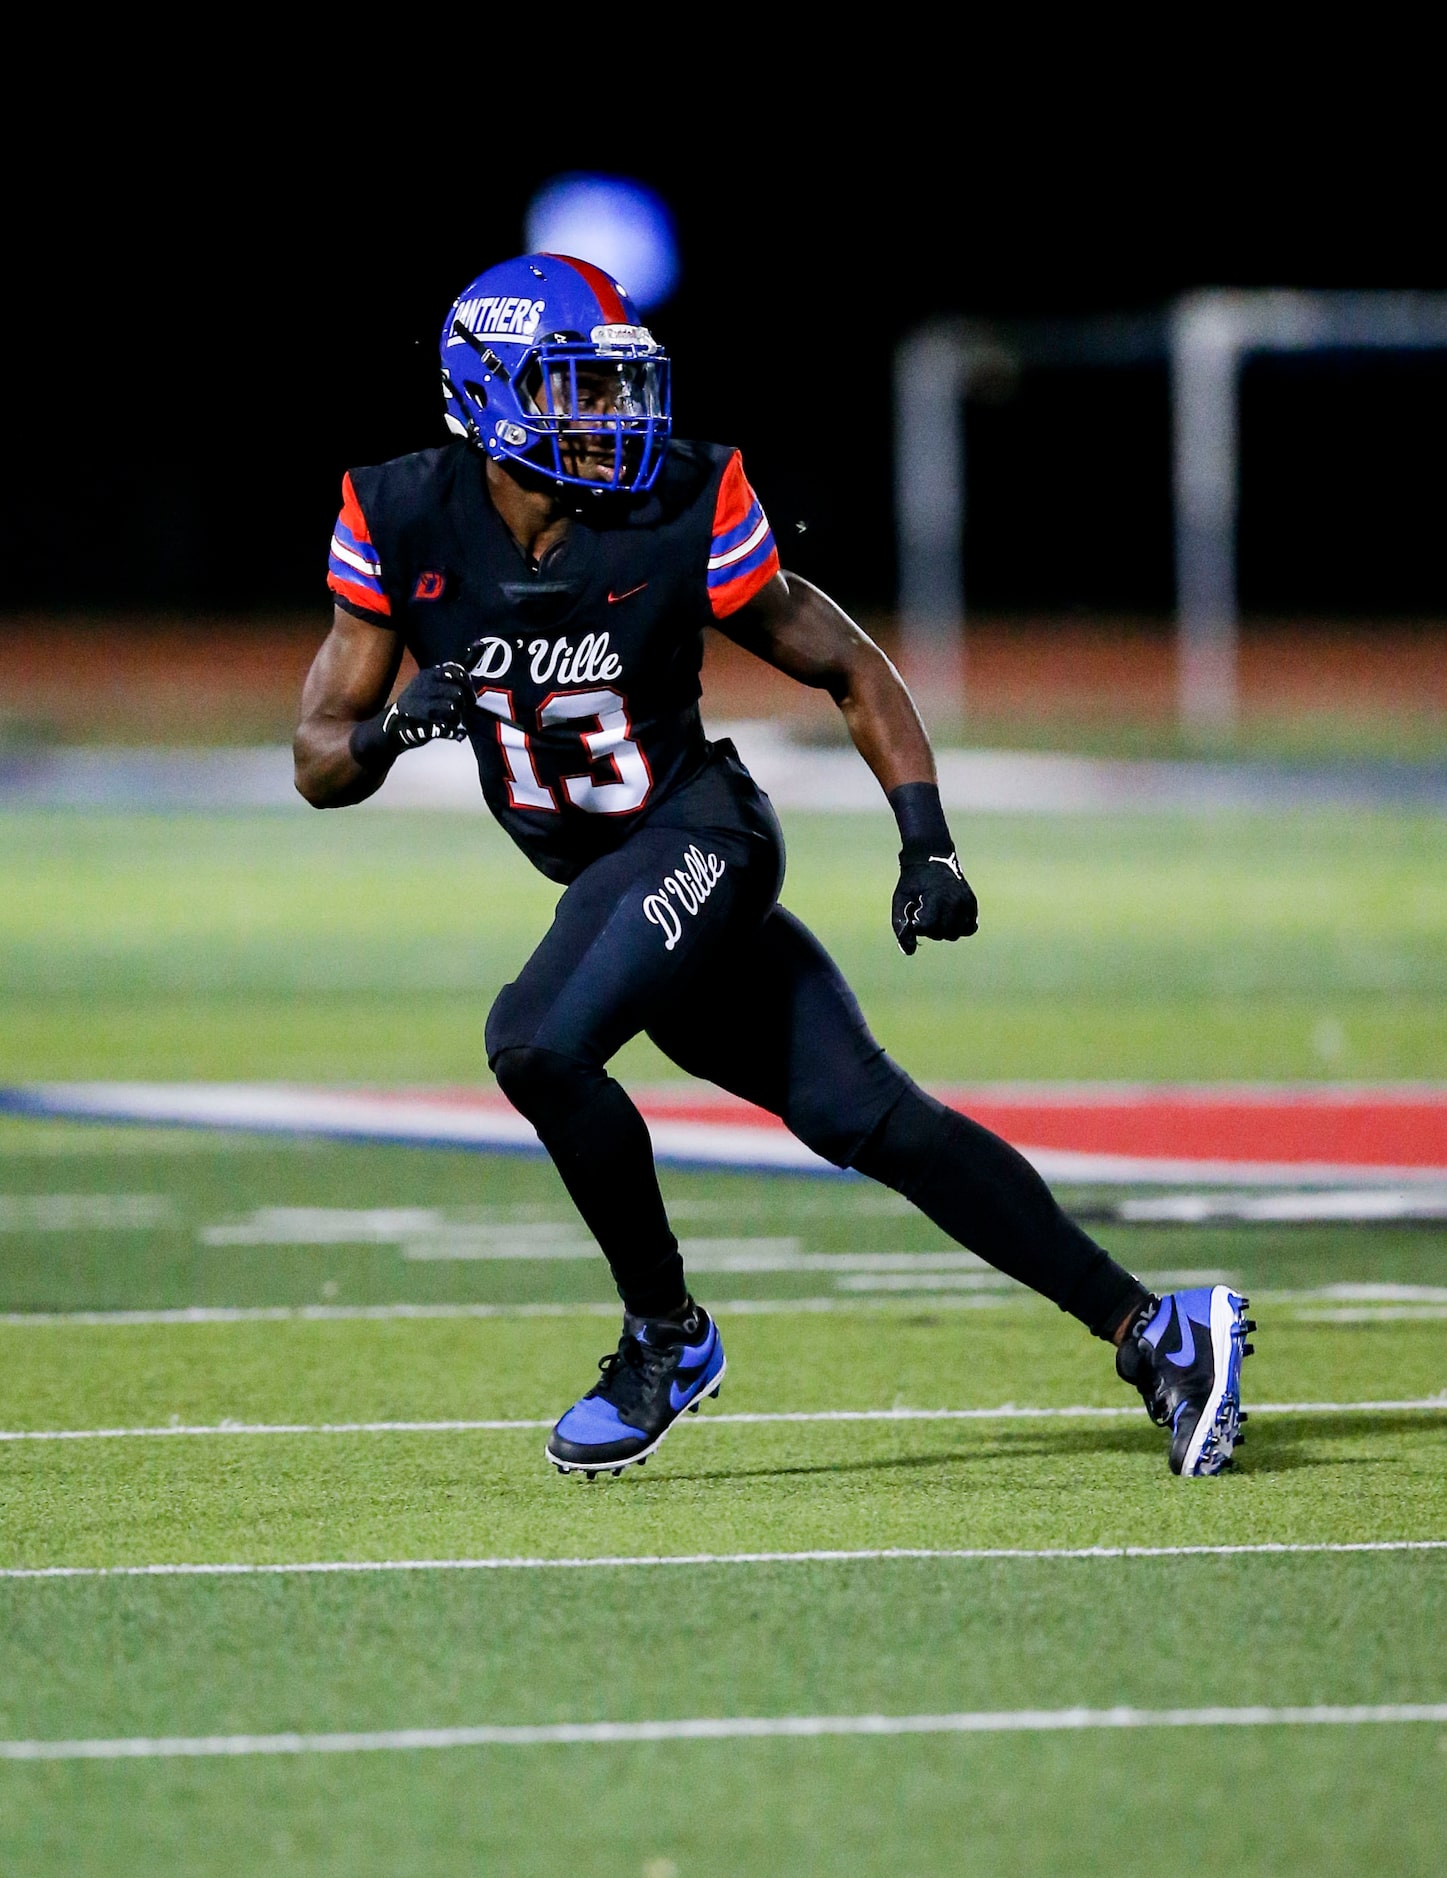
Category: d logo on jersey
<point>431,584</point>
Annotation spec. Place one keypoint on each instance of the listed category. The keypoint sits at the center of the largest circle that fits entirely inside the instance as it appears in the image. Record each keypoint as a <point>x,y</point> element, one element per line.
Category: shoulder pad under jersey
<point>689,470</point>
<point>393,492</point>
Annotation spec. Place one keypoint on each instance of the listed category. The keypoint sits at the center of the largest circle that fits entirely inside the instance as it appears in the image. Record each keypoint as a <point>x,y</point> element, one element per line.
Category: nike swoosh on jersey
<point>627,593</point>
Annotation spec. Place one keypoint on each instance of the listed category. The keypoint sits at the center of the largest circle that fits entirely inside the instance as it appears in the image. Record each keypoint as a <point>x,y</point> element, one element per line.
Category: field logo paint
<point>690,885</point>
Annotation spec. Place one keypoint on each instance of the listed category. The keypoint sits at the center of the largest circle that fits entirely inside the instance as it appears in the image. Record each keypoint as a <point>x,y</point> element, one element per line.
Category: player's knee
<point>542,1084</point>
<point>839,1104</point>
<point>910,1145</point>
<point>833,1124</point>
<point>509,1023</point>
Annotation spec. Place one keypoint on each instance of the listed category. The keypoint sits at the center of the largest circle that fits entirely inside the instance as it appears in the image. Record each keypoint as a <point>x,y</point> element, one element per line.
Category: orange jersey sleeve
<point>742,556</point>
<point>354,572</point>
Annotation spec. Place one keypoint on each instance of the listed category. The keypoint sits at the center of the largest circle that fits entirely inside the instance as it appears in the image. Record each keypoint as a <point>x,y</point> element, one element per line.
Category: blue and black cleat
<point>659,1371</point>
<point>1184,1353</point>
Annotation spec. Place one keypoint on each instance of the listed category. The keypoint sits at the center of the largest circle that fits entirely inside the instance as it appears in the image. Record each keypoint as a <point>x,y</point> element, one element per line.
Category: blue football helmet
<point>546,362</point>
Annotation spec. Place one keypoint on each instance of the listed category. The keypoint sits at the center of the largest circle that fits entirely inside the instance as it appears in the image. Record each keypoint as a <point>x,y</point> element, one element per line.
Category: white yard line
<point>616,1562</point>
<point>1331,1303</point>
<point>379,1313</point>
<point>1372,1314</point>
<point>1355,1302</point>
<point>1007,1411</point>
<point>298,1314</point>
<point>722,1728</point>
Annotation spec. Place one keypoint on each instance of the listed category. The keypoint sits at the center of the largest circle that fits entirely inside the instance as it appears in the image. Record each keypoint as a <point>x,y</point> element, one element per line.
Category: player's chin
<point>600,469</point>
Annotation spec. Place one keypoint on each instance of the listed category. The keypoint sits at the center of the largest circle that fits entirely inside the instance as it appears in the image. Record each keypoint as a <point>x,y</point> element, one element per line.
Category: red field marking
<point>1344,1126</point>
<point>1109,1132</point>
<point>1350,1129</point>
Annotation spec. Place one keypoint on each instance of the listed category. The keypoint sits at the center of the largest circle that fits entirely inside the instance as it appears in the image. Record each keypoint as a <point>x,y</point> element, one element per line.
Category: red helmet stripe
<point>614,311</point>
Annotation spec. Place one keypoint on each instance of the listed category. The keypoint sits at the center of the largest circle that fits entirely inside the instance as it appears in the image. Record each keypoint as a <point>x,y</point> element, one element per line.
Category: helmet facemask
<point>598,416</point>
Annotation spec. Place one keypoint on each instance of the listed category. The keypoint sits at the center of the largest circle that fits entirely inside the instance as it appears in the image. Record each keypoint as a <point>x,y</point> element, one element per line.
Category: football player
<point>552,569</point>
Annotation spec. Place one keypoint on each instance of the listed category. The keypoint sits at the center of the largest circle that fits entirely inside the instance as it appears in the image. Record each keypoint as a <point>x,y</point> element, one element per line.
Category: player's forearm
<point>882,720</point>
<point>327,771</point>
<point>800,629</point>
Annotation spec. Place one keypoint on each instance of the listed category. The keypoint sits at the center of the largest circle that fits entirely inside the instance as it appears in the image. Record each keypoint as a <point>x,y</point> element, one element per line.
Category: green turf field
<point>368,943</point>
<point>338,1291</point>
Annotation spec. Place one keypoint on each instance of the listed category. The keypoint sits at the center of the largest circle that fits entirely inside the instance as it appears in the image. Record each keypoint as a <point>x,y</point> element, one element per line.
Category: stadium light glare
<point>617,223</point>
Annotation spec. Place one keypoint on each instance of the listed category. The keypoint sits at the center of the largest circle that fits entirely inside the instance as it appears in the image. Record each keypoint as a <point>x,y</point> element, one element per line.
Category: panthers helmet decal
<point>546,362</point>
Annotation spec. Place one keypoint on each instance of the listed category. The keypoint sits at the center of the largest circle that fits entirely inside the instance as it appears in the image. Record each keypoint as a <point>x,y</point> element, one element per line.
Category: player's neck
<point>533,516</point>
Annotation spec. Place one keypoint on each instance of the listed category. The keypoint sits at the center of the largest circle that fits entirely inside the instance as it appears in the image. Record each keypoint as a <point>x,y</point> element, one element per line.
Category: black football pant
<point>678,934</point>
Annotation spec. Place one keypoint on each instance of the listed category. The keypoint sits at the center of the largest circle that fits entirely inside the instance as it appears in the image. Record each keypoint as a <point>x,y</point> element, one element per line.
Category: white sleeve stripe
<point>374,568</point>
<point>744,547</point>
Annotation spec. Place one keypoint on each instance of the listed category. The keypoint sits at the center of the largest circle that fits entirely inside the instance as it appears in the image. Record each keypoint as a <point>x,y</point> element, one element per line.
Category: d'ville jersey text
<point>552,661</point>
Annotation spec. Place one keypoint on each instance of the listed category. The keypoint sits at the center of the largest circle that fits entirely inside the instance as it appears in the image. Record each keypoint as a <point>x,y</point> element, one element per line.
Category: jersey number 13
<point>610,739</point>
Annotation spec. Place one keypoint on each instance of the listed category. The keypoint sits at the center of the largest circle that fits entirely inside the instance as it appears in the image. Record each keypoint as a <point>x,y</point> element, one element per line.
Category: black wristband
<point>371,748</point>
<point>923,829</point>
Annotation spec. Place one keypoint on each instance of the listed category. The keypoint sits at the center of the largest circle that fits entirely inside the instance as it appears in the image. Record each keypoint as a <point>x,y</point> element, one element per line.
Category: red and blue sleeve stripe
<point>743,556</point>
<point>354,573</point>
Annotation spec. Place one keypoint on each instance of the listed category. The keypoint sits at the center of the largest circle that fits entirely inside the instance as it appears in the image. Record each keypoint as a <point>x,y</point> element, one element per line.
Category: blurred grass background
<point>367,944</point>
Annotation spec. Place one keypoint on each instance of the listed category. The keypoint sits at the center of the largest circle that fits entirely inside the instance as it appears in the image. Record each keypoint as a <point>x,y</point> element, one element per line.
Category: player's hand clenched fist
<point>435,704</point>
<point>933,900</point>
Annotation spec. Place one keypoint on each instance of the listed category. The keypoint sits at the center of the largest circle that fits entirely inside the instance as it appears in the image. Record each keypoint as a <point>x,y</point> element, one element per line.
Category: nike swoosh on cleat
<point>1186,1355</point>
<point>614,598</point>
<point>677,1397</point>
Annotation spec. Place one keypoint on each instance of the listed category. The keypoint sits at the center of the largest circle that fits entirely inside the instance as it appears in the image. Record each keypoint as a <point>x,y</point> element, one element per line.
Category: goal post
<point>1203,337</point>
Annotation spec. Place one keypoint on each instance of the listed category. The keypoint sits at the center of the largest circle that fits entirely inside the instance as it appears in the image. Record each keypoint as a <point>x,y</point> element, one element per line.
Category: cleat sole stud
<point>590,1475</point>
<point>616,1472</point>
<point>1248,1349</point>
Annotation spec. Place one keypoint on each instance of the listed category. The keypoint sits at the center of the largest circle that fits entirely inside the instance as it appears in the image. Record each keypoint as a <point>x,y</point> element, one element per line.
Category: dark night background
<point>210,318</point>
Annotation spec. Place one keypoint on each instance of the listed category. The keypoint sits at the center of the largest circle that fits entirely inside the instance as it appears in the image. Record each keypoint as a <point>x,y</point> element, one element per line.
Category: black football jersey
<point>585,666</point>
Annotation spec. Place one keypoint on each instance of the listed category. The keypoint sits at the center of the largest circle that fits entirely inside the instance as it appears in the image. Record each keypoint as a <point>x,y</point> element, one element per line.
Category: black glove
<point>933,899</point>
<point>435,704</point>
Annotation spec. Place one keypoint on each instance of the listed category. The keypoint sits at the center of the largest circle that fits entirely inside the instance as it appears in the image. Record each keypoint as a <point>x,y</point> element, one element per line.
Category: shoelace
<point>627,1372</point>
